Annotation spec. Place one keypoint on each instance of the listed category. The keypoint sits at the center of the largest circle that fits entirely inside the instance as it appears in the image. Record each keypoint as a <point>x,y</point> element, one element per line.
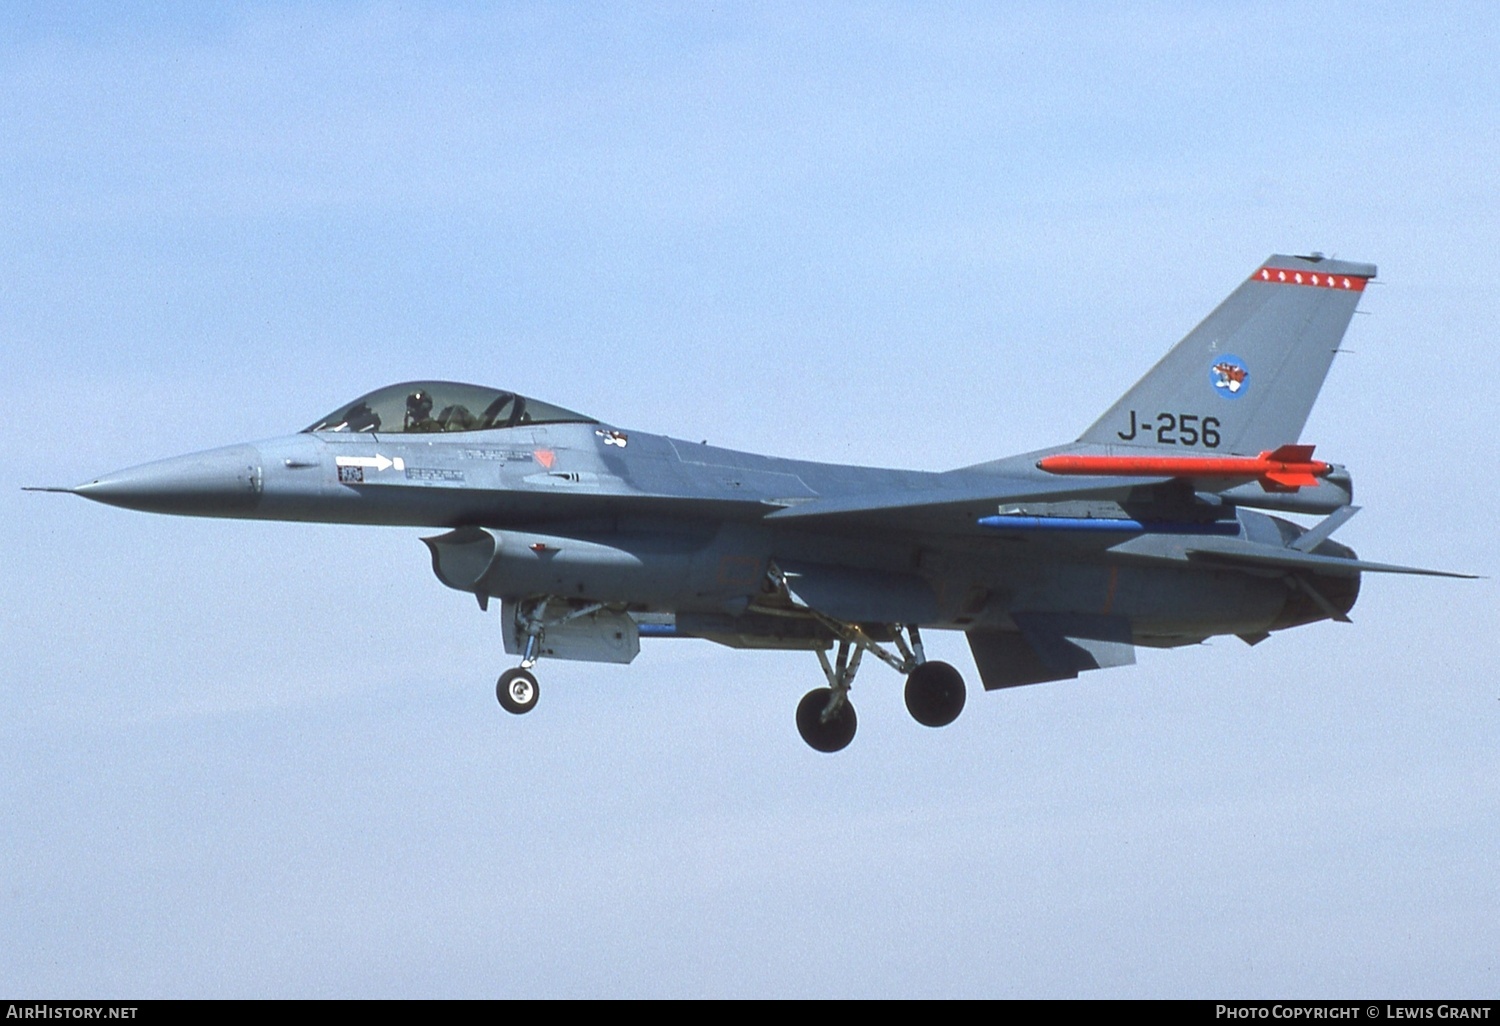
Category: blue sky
<point>265,759</point>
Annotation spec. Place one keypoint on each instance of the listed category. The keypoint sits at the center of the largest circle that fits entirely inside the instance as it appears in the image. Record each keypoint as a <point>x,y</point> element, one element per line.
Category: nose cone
<point>217,483</point>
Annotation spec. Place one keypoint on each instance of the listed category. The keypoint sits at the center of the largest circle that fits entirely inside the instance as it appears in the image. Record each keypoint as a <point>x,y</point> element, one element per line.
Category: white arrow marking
<point>377,461</point>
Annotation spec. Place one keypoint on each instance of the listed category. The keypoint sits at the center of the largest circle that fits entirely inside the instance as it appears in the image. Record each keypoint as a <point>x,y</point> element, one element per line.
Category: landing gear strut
<point>825,717</point>
<point>533,618</point>
<point>934,690</point>
<point>517,689</point>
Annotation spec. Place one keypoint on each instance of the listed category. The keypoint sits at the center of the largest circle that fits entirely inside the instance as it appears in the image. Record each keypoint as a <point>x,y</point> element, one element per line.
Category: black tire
<point>517,691</point>
<point>825,737</point>
<point>935,694</point>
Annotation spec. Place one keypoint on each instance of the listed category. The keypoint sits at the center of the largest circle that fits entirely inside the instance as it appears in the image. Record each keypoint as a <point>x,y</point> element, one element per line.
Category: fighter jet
<point>1150,529</point>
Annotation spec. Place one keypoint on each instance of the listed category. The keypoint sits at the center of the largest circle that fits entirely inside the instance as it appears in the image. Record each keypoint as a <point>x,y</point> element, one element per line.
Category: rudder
<point>1245,379</point>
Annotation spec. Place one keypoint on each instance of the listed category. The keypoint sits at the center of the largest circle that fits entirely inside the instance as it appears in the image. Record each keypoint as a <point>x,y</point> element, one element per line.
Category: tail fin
<point>1245,379</point>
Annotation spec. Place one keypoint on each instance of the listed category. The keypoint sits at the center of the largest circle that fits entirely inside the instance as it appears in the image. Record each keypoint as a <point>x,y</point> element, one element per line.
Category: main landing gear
<point>826,719</point>
<point>934,694</point>
<point>934,690</point>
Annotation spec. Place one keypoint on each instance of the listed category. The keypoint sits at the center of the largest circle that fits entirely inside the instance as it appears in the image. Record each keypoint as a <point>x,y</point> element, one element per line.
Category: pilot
<point>419,412</point>
<point>456,418</point>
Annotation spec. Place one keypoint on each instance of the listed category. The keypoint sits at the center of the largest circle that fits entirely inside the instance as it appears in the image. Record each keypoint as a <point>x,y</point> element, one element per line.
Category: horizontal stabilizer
<point>1050,646</point>
<point>1257,557</point>
<point>1234,552</point>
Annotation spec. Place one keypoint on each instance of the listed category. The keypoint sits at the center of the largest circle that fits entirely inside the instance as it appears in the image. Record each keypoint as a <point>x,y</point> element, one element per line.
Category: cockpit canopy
<point>425,407</point>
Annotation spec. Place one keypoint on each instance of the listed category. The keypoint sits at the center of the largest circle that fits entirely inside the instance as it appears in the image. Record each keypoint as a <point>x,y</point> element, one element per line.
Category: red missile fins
<point>1291,467</point>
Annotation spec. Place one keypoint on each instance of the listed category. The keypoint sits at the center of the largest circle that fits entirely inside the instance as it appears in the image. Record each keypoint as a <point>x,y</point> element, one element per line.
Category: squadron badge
<point>1230,377</point>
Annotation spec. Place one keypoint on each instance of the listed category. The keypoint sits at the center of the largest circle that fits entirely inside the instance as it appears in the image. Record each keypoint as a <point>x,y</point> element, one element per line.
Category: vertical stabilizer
<point>1245,379</point>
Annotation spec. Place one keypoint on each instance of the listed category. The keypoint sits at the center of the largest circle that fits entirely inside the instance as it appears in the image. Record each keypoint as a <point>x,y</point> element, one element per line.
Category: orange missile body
<point>1285,469</point>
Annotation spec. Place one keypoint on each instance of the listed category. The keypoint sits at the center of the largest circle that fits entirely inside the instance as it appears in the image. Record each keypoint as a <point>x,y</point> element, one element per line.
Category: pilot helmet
<point>419,405</point>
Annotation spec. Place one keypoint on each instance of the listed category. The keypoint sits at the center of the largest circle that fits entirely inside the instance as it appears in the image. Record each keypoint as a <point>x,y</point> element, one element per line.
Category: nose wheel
<point>517,691</point>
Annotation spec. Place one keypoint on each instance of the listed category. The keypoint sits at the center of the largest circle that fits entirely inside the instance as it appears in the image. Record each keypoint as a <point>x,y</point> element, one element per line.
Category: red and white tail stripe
<point>1312,279</point>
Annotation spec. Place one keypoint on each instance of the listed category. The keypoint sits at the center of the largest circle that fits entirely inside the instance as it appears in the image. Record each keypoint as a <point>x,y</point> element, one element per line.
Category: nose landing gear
<point>517,691</point>
<point>560,628</point>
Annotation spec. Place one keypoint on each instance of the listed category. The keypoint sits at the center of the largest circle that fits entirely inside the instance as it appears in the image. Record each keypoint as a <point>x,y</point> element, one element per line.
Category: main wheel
<point>828,736</point>
<point>517,691</point>
<point>935,694</point>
